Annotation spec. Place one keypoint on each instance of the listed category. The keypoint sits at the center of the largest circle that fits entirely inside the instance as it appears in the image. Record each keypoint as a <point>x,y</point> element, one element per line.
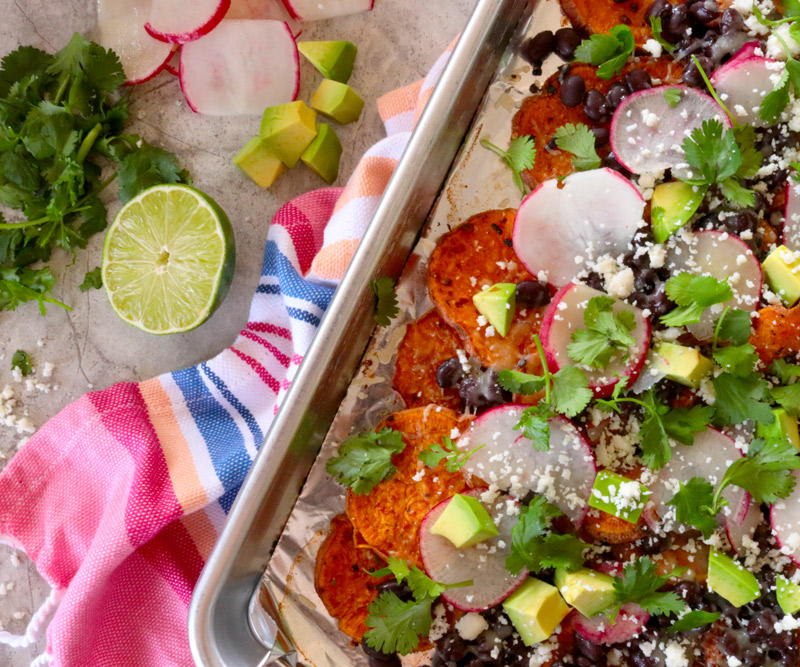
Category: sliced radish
<point>738,532</point>
<point>564,316</point>
<point>647,133</point>
<point>120,27</point>
<point>173,65</point>
<point>564,474</point>
<point>725,257</point>
<point>484,563</point>
<point>791,218</point>
<point>709,457</point>
<point>598,629</point>
<point>263,9</point>
<point>557,224</point>
<point>178,21</point>
<point>748,50</point>
<point>241,68</point>
<point>744,84</point>
<point>314,10</point>
<point>785,519</point>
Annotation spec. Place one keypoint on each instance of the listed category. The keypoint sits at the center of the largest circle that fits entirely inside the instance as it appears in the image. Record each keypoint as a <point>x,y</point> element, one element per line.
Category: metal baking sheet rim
<point>231,618</point>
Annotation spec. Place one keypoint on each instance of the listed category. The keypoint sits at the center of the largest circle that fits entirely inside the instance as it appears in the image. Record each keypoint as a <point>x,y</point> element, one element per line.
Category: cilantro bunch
<point>364,460</point>
<point>606,333</point>
<point>640,584</point>
<point>607,51</point>
<point>519,157</point>
<point>62,121</point>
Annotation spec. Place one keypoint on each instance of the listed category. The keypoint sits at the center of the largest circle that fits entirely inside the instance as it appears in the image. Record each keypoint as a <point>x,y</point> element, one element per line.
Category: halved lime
<point>168,259</point>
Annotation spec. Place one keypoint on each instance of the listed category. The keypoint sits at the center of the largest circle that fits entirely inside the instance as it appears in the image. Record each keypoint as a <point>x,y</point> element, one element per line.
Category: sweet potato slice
<point>389,517</point>
<point>606,528</point>
<point>543,113</point>
<point>602,15</point>
<point>427,343</point>
<point>776,333</point>
<point>340,579</point>
<point>476,254</point>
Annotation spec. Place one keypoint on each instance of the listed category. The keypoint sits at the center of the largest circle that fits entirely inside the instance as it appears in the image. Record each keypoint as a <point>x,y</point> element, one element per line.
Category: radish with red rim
<point>314,10</point>
<point>564,474</point>
<point>565,315</point>
<point>598,629</point>
<point>178,22</point>
<point>559,223</point>
<point>484,564</point>
<point>738,533</point>
<point>173,65</point>
<point>647,132</point>
<point>743,86</point>
<point>785,519</point>
<point>241,68</point>
<point>725,257</point>
<point>263,9</point>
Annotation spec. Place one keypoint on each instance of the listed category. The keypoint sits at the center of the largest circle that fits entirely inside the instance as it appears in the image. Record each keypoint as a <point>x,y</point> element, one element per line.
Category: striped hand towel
<point>120,497</point>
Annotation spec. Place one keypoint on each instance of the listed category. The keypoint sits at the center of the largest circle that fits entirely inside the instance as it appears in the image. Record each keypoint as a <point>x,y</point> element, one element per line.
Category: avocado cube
<point>783,428</point>
<point>788,595</point>
<point>684,365</point>
<point>672,206</point>
<point>323,154</point>
<point>535,609</point>
<point>497,304</point>
<point>588,591</point>
<point>624,498</point>
<point>465,522</point>
<point>730,580</point>
<point>259,163</point>
<point>338,101</point>
<point>782,272</point>
<point>288,129</point>
<point>334,60</point>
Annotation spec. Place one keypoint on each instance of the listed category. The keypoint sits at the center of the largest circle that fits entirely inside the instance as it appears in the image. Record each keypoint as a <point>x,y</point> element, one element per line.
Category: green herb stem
<point>545,368</point>
<point>713,92</point>
<point>62,88</point>
<point>88,142</point>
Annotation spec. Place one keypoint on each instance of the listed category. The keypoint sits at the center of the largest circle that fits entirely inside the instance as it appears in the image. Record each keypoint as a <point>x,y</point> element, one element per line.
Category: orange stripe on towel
<point>368,180</point>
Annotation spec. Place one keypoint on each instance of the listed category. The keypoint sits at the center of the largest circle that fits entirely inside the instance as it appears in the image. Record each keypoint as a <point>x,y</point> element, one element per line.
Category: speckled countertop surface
<point>89,347</point>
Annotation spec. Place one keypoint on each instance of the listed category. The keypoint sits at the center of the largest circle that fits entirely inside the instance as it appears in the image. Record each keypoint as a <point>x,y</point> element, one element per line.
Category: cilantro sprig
<point>639,583</point>
<point>776,101</point>
<point>580,141</point>
<point>693,620</point>
<point>454,459</point>
<point>92,280</point>
<point>693,294</point>
<point>655,25</point>
<point>606,334</point>
<point>385,300</point>
<point>520,156</point>
<point>607,51</point>
<point>364,460</point>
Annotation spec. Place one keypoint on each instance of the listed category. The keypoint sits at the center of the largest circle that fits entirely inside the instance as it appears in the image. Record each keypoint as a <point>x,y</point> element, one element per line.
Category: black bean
<point>731,21</point>
<point>601,136</point>
<point>567,40</point>
<point>762,625</point>
<point>692,76</point>
<point>616,93</point>
<point>588,649</point>
<point>690,592</point>
<point>381,658</point>
<point>611,162</point>
<point>481,662</point>
<point>655,544</point>
<point>678,21</point>
<point>729,644</point>
<point>439,661</point>
<point>452,646</point>
<point>390,661</point>
<point>754,657</point>
<point>657,302</point>
<point>741,221</point>
<point>551,145</point>
<point>660,9</point>
<point>645,280</point>
<point>538,47</point>
<point>573,90</point>
<point>449,373</point>
<point>532,293</point>
<point>595,106</point>
<point>704,12</point>
<point>401,590</point>
<point>638,79</point>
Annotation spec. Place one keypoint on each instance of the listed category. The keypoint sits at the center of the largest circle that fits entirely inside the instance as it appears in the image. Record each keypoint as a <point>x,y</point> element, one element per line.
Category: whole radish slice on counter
<point>241,68</point>
<point>598,629</point>
<point>596,211</point>
<point>178,21</point>
<point>483,563</point>
<point>564,474</point>
<point>120,26</point>
<point>317,10</point>
<point>791,217</point>
<point>725,257</point>
<point>738,532</point>
<point>647,130</point>
<point>743,86</point>
<point>565,315</point>
<point>785,519</point>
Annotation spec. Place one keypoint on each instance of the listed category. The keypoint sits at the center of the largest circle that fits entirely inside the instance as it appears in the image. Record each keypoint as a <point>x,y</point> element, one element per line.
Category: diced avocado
<point>671,207</point>
<point>624,498</point>
<point>465,522</point>
<point>684,365</point>
<point>535,608</point>
<point>788,595</point>
<point>334,60</point>
<point>288,129</point>
<point>259,163</point>
<point>338,101</point>
<point>323,154</point>
<point>497,304</point>
<point>588,591</point>
<point>784,427</point>
<point>782,272</point>
<point>730,580</point>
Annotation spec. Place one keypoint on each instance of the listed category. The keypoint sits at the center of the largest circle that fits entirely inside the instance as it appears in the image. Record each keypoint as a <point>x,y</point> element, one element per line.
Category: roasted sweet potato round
<point>776,333</point>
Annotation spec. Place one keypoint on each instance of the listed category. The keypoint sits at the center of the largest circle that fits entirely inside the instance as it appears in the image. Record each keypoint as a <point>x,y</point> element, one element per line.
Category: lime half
<point>168,259</point>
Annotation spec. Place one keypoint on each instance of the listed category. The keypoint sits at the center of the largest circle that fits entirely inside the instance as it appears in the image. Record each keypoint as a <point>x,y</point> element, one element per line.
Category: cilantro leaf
<point>713,152</point>
<point>738,360</point>
<point>580,141</point>
<point>396,626</point>
<point>655,25</point>
<point>365,460</point>
<point>765,472</point>
<point>784,371</point>
<point>92,280</point>
<point>737,193</point>
<point>692,505</point>
<point>145,167</point>
<point>741,398</point>
<point>788,397</point>
<point>518,382</point>
<point>752,158</point>
<point>774,103</point>
<point>605,334</point>
<point>453,457</point>
<point>609,52</point>
<point>682,423</point>
<point>671,95</point>
<point>693,620</point>
<point>693,294</point>
<point>639,583</point>
<point>519,157</point>
<point>656,451</point>
<point>534,426</point>
<point>386,300</point>
<point>570,392</point>
<point>18,286</point>
<point>22,361</point>
<point>733,326</point>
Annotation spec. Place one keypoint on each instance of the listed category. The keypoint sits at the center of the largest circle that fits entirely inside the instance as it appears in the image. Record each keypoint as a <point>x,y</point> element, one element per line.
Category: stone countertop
<point>89,347</point>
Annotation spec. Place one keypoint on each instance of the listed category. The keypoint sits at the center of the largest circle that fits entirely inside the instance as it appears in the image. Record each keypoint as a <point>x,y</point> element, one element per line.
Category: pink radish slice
<point>314,10</point>
<point>743,86</point>
<point>737,533</point>
<point>178,21</point>
<point>557,224</point>
<point>173,65</point>
<point>791,218</point>
<point>241,68</point>
<point>725,257</point>
<point>484,563</point>
<point>647,133</point>
<point>598,629</point>
<point>263,9</point>
<point>565,315</point>
<point>785,519</point>
<point>564,474</point>
<point>748,50</point>
<point>120,26</point>
<point>709,457</point>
